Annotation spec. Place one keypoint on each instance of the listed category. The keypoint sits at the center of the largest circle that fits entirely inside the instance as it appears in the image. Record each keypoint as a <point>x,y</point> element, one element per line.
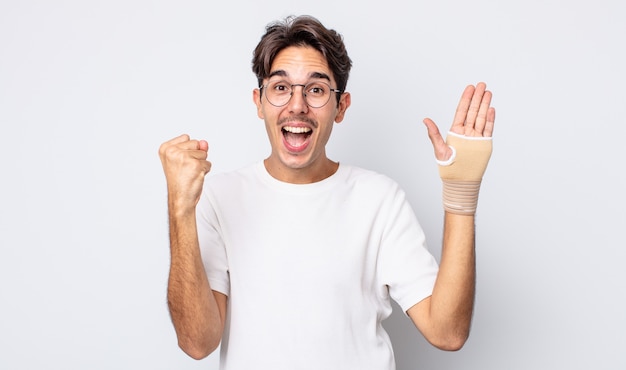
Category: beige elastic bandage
<point>463,172</point>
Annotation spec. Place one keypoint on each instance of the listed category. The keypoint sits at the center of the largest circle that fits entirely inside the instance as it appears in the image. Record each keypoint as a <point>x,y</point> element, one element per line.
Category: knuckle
<point>162,149</point>
<point>172,152</point>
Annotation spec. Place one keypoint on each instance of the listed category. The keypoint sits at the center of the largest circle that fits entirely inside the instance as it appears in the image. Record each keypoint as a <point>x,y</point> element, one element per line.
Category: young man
<point>291,263</point>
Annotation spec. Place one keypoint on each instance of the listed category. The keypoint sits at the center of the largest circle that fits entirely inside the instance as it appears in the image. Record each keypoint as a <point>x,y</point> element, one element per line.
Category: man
<point>291,263</point>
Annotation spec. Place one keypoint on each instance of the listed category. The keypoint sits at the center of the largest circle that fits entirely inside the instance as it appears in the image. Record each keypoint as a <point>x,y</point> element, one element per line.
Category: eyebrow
<point>283,73</point>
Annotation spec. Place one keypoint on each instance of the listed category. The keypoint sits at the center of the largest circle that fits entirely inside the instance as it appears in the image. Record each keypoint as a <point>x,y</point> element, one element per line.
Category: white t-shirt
<point>310,269</point>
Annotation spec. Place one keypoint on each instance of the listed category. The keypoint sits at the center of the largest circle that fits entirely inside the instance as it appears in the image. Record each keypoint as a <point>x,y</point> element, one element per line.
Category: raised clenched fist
<point>185,165</point>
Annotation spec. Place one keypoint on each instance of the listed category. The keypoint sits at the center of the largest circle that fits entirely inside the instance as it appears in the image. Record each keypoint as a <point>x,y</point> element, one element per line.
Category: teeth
<point>297,130</point>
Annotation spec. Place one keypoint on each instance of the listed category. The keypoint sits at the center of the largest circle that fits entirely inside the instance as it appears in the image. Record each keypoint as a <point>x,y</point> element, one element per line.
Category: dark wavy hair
<point>302,31</point>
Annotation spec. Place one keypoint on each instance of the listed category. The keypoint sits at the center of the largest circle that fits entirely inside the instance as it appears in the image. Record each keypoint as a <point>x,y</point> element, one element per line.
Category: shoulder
<point>372,187</point>
<point>232,176</point>
<point>364,178</point>
<point>231,181</point>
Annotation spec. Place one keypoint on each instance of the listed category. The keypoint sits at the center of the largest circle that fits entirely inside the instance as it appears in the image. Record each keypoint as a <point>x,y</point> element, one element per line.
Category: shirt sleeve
<point>212,246</point>
<point>406,266</point>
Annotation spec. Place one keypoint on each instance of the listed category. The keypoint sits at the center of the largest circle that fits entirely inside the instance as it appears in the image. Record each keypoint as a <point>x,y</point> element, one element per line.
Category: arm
<point>197,312</point>
<point>444,318</point>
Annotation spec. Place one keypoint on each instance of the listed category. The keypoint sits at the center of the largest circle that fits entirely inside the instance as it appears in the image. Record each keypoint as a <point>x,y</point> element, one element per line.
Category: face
<point>298,133</point>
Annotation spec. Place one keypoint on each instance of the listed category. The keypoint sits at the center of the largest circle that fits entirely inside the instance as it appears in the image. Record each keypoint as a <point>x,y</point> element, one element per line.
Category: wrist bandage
<point>463,172</point>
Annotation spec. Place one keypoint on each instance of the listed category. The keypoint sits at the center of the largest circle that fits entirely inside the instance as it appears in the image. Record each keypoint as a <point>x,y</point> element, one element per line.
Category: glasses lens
<point>316,94</point>
<point>278,93</point>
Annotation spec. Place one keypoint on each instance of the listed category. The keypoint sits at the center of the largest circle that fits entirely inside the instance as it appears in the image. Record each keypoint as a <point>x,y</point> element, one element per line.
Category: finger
<point>483,111</point>
<point>192,145</point>
<point>461,110</point>
<point>168,144</point>
<point>491,119</point>
<point>179,139</point>
<point>433,131</point>
<point>474,107</point>
<point>203,145</point>
<point>184,142</point>
<point>198,149</point>
<point>206,167</point>
<point>176,150</point>
<point>441,149</point>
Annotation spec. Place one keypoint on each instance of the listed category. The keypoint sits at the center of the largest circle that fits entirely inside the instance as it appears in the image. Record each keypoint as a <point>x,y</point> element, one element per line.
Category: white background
<point>89,89</point>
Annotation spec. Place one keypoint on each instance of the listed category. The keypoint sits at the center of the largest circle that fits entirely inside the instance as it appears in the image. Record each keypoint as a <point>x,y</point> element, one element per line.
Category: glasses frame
<point>291,86</point>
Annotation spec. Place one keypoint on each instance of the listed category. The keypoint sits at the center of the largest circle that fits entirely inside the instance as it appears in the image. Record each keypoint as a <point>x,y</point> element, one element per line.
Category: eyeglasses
<point>315,94</point>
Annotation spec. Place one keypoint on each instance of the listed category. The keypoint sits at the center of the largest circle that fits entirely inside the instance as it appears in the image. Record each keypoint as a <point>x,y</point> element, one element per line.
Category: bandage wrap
<point>463,172</point>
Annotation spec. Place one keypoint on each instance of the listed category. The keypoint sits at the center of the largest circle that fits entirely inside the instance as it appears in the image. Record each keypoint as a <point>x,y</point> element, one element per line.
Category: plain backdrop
<point>90,89</point>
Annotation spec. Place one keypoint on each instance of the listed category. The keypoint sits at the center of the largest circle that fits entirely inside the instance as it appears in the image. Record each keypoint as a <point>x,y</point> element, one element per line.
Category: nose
<point>297,102</point>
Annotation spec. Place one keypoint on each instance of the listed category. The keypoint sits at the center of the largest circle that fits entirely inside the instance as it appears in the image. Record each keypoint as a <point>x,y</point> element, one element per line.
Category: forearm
<point>193,307</point>
<point>444,318</point>
<point>452,301</point>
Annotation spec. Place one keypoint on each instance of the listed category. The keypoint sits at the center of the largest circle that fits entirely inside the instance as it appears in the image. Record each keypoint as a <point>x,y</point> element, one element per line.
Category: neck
<point>306,175</point>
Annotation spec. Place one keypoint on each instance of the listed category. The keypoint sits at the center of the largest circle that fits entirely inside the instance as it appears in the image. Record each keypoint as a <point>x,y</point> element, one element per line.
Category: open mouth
<point>296,137</point>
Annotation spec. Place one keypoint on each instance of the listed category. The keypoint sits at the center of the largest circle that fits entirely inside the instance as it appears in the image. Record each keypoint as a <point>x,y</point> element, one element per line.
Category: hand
<point>185,165</point>
<point>474,117</point>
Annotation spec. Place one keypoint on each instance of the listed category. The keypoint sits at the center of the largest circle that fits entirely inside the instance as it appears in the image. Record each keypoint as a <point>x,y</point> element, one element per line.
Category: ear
<point>344,104</point>
<point>256,97</point>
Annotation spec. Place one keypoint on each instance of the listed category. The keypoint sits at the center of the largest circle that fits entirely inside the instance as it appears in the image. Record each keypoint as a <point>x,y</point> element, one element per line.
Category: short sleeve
<point>406,266</point>
<point>212,246</point>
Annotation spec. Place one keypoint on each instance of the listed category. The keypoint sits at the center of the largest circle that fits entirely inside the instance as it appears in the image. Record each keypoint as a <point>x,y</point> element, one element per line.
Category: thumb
<point>442,150</point>
<point>203,145</point>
